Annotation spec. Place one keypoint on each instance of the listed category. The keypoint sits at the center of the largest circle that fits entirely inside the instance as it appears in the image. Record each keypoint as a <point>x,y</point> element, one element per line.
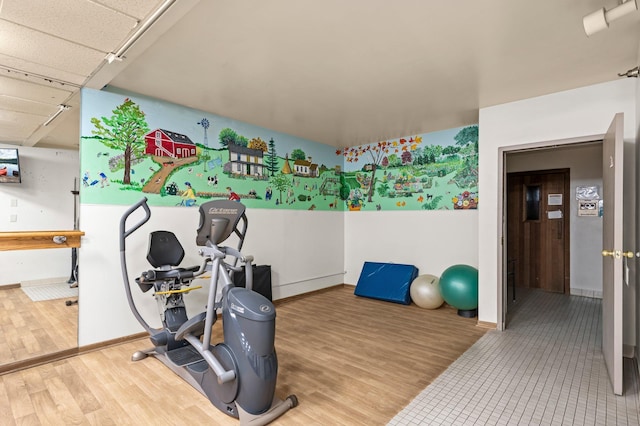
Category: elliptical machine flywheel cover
<point>226,392</point>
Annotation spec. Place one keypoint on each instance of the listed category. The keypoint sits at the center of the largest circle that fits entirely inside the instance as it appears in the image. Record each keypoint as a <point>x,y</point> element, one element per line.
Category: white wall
<point>585,242</point>
<point>305,251</point>
<point>432,240</point>
<point>570,114</point>
<point>43,202</point>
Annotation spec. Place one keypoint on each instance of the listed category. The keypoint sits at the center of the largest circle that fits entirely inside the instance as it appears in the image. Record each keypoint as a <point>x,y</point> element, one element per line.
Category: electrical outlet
<point>13,218</point>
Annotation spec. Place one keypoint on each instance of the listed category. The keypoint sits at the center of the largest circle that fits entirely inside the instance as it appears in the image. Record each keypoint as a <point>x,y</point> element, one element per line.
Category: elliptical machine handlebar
<point>212,251</point>
<point>124,233</point>
<point>123,221</point>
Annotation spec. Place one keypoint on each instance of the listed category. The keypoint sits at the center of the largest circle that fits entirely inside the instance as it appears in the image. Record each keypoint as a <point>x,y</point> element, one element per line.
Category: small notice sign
<point>554,199</point>
<point>554,214</point>
<point>588,208</point>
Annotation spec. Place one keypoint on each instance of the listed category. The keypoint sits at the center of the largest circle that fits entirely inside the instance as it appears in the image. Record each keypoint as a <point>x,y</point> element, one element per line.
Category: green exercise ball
<point>459,288</point>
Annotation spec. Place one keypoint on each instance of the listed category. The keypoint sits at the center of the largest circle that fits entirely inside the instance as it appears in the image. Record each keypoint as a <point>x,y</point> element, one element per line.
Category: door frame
<point>502,206</point>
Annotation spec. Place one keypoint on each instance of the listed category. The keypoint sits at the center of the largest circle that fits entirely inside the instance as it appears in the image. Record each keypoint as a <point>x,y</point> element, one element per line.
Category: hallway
<point>547,368</point>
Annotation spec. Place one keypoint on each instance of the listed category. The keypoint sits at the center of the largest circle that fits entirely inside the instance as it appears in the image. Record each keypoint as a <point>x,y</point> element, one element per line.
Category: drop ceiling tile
<point>14,134</point>
<point>11,103</point>
<point>26,118</point>
<point>32,92</point>
<point>17,125</point>
<point>80,21</point>
<point>38,69</point>
<point>138,9</point>
<point>37,47</point>
<point>65,133</point>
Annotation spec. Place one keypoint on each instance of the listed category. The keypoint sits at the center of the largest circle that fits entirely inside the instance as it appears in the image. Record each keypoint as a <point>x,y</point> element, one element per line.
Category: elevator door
<point>537,235</point>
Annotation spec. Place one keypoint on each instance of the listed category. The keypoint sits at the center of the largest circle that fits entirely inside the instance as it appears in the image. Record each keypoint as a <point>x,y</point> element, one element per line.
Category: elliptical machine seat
<point>164,249</point>
<point>165,252</point>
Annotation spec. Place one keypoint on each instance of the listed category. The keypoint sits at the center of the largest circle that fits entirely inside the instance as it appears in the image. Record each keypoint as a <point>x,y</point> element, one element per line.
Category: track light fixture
<point>632,73</point>
<point>61,108</point>
<point>601,18</point>
<point>118,54</point>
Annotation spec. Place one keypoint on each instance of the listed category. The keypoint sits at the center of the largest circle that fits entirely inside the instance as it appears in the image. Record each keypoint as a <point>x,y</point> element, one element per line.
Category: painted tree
<point>272,157</point>
<point>204,157</point>
<point>242,141</point>
<point>227,136</point>
<point>450,150</point>
<point>281,183</point>
<point>345,188</point>
<point>376,153</point>
<point>394,161</point>
<point>298,154</point>
<point>257,143</point>
<point>432,153</point>
<point>124,131</point>
<point>467,140</point>
<point>467,135</point>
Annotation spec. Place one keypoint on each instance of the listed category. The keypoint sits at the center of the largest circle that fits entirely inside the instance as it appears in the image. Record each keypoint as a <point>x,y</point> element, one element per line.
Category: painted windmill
<point>205,124</point>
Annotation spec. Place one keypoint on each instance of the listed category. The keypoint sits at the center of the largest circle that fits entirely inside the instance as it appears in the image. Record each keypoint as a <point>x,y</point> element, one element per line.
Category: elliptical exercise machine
<point>238,375</point>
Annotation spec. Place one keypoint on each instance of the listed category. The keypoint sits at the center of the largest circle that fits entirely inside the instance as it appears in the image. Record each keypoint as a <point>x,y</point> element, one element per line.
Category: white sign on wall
<point>588,208</point>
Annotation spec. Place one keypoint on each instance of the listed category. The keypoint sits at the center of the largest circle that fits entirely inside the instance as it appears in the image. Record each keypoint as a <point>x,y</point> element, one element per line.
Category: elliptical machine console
<point>239,374</point>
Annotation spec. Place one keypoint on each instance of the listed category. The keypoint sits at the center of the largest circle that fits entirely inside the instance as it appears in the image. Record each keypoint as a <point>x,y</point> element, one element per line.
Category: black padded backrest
<point>218,219</point>
<point>164,249</point>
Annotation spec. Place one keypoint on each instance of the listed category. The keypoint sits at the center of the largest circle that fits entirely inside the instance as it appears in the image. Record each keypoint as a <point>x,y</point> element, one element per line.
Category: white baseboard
<point>44,281</point>
<point>282,291</point>
<point>594,294</point>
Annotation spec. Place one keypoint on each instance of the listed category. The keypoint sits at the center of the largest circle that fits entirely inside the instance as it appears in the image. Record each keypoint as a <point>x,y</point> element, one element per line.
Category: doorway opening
<point>546,246</point>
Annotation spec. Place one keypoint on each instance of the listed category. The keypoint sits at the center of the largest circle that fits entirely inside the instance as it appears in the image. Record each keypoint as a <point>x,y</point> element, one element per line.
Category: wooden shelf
<point>31,240</point>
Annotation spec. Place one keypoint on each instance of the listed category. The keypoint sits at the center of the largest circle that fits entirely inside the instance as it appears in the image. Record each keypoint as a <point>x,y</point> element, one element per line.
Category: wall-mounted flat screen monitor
<point>9,165</point>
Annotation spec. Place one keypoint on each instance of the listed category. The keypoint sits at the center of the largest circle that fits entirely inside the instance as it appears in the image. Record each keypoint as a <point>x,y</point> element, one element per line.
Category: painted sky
<point>184,120</point>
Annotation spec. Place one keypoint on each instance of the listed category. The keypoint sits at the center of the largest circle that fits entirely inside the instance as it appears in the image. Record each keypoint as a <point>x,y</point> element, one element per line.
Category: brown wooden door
<point>537,229</point>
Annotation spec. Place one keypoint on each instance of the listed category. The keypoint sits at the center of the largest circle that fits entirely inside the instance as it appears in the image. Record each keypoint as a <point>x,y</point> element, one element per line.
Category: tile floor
<point>547,368</point>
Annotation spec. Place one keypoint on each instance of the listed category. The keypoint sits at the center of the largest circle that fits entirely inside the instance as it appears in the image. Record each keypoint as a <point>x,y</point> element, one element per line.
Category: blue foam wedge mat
<point>386,281</point>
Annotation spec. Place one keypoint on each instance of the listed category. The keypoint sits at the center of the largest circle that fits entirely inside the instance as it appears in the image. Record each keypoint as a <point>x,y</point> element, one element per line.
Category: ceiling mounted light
<point>601,18</point>
<point>632,73</point>
<point>118,54</point>
<point>61,108</point>
<point>112,57</point>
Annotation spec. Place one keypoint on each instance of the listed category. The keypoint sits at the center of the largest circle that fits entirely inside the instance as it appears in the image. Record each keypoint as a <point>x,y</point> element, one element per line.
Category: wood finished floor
<point>349,360</point>
<point>29,329</point>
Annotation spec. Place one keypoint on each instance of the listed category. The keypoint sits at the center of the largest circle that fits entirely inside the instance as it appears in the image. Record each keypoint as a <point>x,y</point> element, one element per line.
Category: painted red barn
<point>165,143</point>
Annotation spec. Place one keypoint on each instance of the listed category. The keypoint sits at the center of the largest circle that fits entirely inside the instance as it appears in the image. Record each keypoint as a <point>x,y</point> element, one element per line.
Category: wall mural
<point>134,146</point>
<point>430,171</point>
